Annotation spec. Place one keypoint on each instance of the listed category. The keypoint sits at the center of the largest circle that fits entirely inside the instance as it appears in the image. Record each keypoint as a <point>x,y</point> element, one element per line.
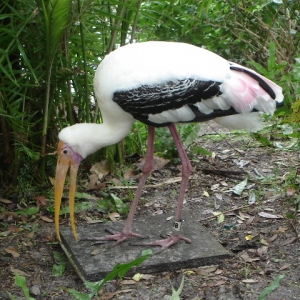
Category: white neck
<point>86,138</point>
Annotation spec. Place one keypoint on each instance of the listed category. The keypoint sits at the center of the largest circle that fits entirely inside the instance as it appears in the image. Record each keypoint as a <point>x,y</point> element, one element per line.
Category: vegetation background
<point>51,48</point>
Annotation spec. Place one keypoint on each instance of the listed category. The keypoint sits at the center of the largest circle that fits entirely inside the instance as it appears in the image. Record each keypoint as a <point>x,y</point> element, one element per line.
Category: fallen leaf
<point>147,276</point>
<point>41,201</point>
<point>249,281</point>
<point>92,221</point>
<point>100,168</point>
<point>280,230</point>
<point>114,216</point>
<point>289,241</point>
<point>261,251</point>
<point>206,271</point>
<point>46,219</point>
<point>14,229</point>
<point>239,188</point>
<point>264,242</point>
<point>249,237</point>
<point>5,233</point>
<point>12,251</point>
<point>131,175</point>
<point>247,258</point>
<point>159,163</point>
<point>18,272</point>
<point>189,272</point>
<point>284,267</point>
<point>215,283</point>
<point>273,238</point>
<point>269,216</point>
<point>290,191</point>
<point>30,235</point>
<point>108,296</point>
<point>128,282</point>
<point>6,201</point>
<point>206,194</point>
<point>137,277</point>
<point>96,251</point>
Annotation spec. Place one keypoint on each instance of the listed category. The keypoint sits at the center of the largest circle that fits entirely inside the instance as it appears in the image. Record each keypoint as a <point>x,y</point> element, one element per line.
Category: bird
<point>161,84</point>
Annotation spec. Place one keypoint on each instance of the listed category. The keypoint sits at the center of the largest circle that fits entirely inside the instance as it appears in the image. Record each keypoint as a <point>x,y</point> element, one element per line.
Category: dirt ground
<point>263,237</point>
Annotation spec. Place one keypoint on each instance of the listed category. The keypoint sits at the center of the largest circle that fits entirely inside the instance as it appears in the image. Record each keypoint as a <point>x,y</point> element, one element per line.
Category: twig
<point>225,212</point>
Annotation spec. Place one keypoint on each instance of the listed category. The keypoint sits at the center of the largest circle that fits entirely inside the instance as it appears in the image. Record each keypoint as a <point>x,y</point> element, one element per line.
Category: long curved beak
<point>65,161</point>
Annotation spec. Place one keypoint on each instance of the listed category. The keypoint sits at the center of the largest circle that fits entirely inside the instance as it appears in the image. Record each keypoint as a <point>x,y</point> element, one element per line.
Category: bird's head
<point>67,158</point>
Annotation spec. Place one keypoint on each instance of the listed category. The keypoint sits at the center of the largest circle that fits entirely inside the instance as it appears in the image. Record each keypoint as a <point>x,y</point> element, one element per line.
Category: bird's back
<point>160,83</point>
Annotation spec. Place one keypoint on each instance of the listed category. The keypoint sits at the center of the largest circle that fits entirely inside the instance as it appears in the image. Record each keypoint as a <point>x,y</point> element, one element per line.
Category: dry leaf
<point>273,238</point>
<point>131,175</point>
<point>247,258</point>
<point>290,191</point>
<point>101,168</point>
<point>14,229</point>
<point>128,282</point>
<point>108,296</point>
<point>280,229</point>
<point>249,281</point>
<point>147,276</point>
<point>6,201</point>
<point>206,271</point>
<point>12,251</point>
<point>114,216</point>
<point>30,235</point>
<point>46,219</point>
<point>289,241</point>
<point>137,277</point>
<point>269,216</point>
<point>215,283</point>
<point>18,272</point>
<point>96,251</point>
<point>41,201</point>
<point>206,194</point>
<point>284,267</point>
<point>159,163</point>
<point>92,221</point>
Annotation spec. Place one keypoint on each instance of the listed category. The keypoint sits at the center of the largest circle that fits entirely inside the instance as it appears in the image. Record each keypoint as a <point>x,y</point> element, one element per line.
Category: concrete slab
<point>204,249</point>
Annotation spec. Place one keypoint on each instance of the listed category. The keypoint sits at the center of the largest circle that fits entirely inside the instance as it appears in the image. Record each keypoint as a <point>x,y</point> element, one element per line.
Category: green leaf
<point>122,208</point>
<point>176,294</point>
<point>274,285</point>
<point>60,266</point>
<point>32,210</point>
<point>119,270</point>
<point>58,270</point>
<point>20,281</point>
<point>272,56</point>
<point>239,188</point>
<point>221,218</point>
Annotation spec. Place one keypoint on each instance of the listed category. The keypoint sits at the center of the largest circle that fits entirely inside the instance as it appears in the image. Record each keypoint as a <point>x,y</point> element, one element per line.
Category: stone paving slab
<point>204,249</point>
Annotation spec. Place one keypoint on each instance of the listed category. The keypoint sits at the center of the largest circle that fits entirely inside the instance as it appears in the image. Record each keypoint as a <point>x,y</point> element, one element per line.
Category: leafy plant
<point>273,286</point>
<point>20,281</point>
<point>119,271</point>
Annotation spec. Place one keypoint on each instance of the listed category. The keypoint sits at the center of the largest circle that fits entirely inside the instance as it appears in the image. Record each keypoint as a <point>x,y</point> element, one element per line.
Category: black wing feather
<point>145,100</point>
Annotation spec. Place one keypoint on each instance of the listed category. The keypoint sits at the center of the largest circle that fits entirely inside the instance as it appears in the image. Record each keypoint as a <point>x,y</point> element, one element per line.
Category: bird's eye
<point>65,152</point>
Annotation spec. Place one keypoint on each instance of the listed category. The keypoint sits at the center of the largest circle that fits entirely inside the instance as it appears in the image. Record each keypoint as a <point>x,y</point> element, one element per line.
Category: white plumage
<point>162,83</point>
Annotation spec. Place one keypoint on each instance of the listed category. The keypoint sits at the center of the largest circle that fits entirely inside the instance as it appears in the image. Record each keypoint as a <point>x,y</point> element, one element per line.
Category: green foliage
<point>60,264</point>
<point>119,271</point>
<point>273,286</point>
<point>20,281</point>
<point>175,294</point>
<point>50,50</point>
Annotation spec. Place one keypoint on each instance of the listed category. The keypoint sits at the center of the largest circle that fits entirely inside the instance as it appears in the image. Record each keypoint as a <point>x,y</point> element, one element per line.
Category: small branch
<point>225,212</point>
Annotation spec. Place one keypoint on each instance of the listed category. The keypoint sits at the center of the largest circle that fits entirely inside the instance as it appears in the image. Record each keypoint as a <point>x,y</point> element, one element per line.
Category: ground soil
<point>263,238</point>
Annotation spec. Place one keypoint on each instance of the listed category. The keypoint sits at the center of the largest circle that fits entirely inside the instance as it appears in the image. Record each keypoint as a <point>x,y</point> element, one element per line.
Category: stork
<point>161,84</point>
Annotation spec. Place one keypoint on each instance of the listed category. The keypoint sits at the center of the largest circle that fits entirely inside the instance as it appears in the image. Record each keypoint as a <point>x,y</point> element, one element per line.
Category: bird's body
<point>162,83</point>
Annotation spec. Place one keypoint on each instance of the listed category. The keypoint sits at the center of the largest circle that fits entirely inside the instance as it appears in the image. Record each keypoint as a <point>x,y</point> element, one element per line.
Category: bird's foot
<point>166,243</point>
<point>119,237</point>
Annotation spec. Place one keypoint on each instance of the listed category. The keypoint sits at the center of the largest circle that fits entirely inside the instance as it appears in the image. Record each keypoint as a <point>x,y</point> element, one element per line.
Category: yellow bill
<point>67,158</point>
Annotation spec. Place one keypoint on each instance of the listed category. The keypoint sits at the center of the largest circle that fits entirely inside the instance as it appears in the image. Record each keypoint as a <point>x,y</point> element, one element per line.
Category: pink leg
<point>127,230</point>
<point>186,171</point>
